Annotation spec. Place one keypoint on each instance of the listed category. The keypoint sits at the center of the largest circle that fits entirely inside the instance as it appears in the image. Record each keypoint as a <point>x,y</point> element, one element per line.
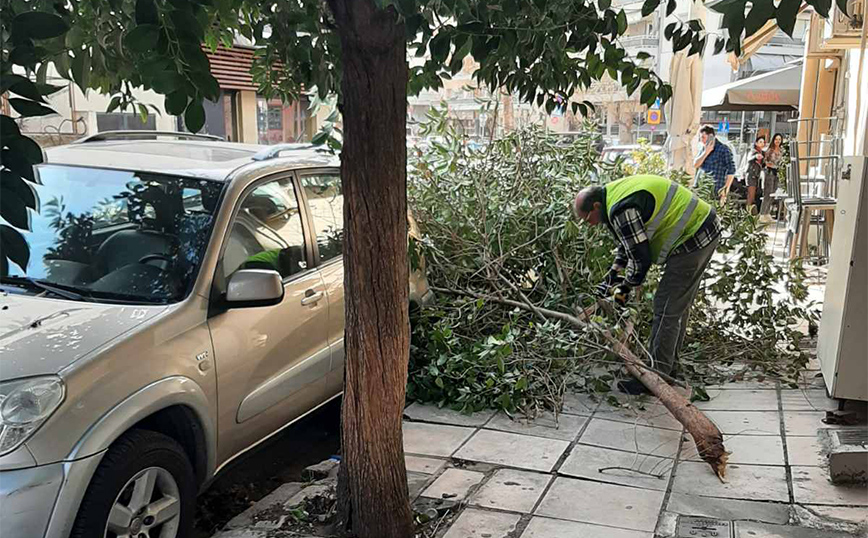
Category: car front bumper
<point>43,501</point>
<point>27,498</point>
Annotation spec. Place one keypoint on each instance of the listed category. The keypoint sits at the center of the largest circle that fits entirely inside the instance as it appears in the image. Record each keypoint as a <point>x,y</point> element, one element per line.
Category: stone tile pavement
<point>597,471</point>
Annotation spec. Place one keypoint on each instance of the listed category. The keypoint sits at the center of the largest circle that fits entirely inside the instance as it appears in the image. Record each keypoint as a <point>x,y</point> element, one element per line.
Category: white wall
<point>855,139</point>
<point>86,108</point>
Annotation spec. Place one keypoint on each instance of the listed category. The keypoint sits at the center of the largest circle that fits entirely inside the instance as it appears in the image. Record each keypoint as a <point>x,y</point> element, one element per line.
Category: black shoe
<point>632,386</point>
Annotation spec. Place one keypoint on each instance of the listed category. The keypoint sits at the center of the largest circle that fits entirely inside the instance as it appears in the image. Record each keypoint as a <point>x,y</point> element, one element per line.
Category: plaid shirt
<point>634,251</point>
<point>719,164</point>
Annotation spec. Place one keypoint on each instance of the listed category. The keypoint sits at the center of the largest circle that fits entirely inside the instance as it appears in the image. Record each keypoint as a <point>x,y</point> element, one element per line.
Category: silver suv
<point>183,301</point>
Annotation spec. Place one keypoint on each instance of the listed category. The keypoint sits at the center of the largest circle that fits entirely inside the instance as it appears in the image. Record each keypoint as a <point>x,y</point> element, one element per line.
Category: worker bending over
<point>654,220</point>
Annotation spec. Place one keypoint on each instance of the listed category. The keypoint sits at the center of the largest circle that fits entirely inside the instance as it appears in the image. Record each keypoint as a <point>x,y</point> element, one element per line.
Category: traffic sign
<point>653,117</point>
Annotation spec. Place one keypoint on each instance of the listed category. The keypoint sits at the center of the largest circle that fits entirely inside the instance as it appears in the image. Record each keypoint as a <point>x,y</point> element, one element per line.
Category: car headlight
<point>24,405</point>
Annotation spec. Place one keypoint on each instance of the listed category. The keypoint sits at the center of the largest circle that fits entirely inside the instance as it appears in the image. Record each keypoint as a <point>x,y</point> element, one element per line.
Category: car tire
<point>138,461</point>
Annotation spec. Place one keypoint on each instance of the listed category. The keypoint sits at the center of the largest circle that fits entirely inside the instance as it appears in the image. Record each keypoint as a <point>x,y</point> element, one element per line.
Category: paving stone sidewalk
<point>606,472</point>
<point>598,471</point>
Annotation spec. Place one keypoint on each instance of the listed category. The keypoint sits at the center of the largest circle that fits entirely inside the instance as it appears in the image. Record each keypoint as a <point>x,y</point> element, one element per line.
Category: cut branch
<point>708,438</point>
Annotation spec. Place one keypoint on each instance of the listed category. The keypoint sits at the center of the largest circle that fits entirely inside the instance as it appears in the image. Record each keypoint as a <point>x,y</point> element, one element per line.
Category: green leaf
<point>143,113</point>
<point>320,138</point>
<point>649,6</point>
<point>649,93</point>
<point>695,25</point>
<point>38,25</point>
<point>604,4</point>
<point>786,14</point>
<point>48,89</point>
<point>642,55</point>
<point>146,12</point>
<point>29,108</point>
<point>669,30</point>
<point>622,22</point>
<point>188,25</point>
<point>14,246</point>
<point>12,182</point>
<point>670,7</point>
<point>14,210</point>
<point>206,84</point>
<point>720,42</point>
<point>760,13</point>
<point>176,102</point>
<point>8,128</point>
<point>439,382</point>
<point>81,69</point>
<point>822,7</point>
<point>22,86</point>
<point>27,148</point>
<point>142,38</point>
<point>699,394</point>
<point>439,46</point>
<point>114,104</point>
<point>16,162</point>
<point>194,116</point>
<point>726,6</point>
<point>842,7</point>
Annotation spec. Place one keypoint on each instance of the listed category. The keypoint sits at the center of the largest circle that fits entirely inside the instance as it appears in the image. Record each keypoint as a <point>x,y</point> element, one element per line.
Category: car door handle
<point>311,297</point>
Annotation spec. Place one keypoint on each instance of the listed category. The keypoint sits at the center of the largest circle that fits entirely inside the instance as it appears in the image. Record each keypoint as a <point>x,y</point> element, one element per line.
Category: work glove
<point>621,294</point>
<point>604,288</point>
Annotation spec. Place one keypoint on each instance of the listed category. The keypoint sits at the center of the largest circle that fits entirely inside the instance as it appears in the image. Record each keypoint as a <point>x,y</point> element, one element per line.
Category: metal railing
<point>643,41</point>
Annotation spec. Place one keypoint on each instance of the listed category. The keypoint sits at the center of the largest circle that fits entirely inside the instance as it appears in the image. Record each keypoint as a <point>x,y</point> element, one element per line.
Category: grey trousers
<point>678,287</point>
<point>770,185</point>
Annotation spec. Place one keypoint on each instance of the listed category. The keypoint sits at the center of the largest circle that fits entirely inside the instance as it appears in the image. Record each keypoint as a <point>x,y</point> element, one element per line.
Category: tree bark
<point>373,499</point>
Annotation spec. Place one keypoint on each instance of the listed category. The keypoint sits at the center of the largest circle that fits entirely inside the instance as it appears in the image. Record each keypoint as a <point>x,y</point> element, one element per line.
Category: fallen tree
<point>706,435</point>
<point>512,334</point>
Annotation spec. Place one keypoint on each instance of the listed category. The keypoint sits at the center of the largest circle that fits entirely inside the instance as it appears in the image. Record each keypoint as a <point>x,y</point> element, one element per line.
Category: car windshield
<point>111,235</point>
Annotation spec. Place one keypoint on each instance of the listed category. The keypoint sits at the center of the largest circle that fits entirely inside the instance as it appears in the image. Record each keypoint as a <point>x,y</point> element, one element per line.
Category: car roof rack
<point>145,135</point>
<point>274,151</point>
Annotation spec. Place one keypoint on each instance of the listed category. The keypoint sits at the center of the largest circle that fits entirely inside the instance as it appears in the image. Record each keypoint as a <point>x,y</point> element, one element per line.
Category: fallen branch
<point>708,438</point>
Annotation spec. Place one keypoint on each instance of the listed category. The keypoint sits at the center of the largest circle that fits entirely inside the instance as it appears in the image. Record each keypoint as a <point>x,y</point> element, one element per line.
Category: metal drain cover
<point>703,527</point>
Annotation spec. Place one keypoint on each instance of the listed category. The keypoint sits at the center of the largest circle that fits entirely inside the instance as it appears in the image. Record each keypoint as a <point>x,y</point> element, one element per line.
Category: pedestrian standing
<point>773,158</point>
<point>754,172</point>
<point>715,159</point>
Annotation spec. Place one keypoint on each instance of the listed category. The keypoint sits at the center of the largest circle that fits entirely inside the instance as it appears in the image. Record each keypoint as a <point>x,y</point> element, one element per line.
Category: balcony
<point>639,42</point>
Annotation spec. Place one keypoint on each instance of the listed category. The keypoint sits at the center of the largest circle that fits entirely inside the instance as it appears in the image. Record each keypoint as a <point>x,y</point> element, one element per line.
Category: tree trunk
<point>373,500</point>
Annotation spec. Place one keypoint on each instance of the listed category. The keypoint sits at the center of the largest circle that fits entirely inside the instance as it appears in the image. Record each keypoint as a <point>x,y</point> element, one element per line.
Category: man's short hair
<point>592,195</point>
<point>707,129</point>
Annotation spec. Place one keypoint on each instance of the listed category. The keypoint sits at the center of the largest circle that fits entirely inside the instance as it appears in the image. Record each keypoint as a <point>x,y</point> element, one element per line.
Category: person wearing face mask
<point>654,220</point>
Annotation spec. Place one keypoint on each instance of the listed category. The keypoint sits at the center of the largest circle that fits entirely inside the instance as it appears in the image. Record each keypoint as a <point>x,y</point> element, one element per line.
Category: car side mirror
<point>254,287</point>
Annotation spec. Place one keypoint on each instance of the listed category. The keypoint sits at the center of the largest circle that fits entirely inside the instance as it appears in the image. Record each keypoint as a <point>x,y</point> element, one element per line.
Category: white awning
<point>777,90</point>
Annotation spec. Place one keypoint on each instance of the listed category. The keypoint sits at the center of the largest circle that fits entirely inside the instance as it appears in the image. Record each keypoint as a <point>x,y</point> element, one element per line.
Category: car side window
<point>326,201</point>
<point>267,232</point>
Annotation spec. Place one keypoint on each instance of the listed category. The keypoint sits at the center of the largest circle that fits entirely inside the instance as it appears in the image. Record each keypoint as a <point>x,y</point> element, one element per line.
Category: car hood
<point>41,336</point>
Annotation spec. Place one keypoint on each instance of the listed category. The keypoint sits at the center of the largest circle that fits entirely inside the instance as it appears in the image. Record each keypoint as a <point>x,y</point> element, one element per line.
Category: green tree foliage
<point>544,51</point>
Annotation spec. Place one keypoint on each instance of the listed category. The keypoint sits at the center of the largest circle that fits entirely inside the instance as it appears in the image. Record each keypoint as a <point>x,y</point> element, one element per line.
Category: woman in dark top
<point>774,155</point>
<point>754,170</point>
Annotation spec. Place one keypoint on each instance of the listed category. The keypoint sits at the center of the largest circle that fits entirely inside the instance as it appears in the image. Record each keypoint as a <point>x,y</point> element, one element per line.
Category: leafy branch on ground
<point>497,223</point>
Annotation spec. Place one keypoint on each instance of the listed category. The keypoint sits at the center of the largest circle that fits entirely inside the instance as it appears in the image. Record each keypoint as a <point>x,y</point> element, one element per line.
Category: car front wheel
<point>143,488</point>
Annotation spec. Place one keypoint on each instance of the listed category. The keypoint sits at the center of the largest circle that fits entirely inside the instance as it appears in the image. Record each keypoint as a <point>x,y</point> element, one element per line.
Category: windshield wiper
<point>32,283</point>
